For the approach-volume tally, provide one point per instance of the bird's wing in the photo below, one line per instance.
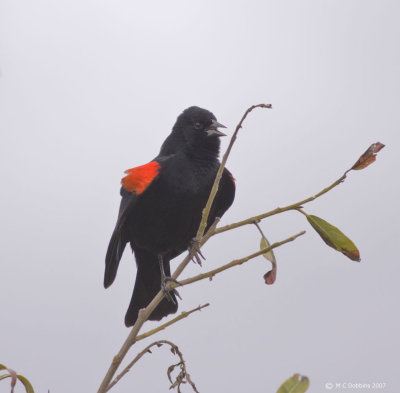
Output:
(133, 185)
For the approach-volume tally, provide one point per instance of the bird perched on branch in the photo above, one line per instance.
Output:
(161, 208)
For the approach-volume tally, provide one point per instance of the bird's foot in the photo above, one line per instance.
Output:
(194, 249)
(166, 290)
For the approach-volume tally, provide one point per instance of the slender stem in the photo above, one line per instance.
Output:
(302, 211)
(278, 210)
(130, 340)
(128, 367)
(147, 350)
(237, 262)
(259, 229)
(214, 190)
(169, 323)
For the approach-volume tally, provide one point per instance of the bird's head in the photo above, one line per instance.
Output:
(199, 128)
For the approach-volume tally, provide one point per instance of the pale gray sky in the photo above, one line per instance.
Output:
(91, 88)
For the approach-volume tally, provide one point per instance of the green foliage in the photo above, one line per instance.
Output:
(14, 377)
(334, 238)
(296, 384)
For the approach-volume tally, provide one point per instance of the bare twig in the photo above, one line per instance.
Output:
(214, 190)
(184, 314)
(278, 210)
(144, 313)
(237, 262)
(182, 377)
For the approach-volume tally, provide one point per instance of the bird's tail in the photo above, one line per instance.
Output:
(147, 285)
(114, 253)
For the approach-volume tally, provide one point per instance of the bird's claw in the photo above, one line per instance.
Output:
(194, 249)
(166, 291)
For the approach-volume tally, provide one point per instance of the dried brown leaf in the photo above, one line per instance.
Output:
(368, 157)
(169, 372)
(270, 276)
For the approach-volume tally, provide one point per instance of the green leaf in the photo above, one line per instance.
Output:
(334, 238)
(295, 384)
(26, 383)
(269, 254)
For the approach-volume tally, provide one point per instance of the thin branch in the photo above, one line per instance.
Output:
(130, 340)
(278, 210)
(175, 350)
(214, 190)
(129, 366)
(184, 314)
(237, 262)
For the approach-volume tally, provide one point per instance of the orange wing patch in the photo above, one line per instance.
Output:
(139, 178)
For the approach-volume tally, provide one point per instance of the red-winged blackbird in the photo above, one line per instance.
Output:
(161, 207)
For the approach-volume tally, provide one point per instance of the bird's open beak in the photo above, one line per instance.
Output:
(213, 129)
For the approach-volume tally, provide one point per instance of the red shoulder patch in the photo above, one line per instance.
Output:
(139, 178)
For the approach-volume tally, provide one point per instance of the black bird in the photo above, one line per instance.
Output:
(161, 207)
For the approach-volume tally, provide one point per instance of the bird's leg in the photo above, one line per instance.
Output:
(194, 249)
(165, 279)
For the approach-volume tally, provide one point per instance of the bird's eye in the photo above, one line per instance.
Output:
(197, 126)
